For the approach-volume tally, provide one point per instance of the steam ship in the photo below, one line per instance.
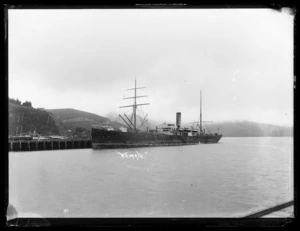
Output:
(131, 136)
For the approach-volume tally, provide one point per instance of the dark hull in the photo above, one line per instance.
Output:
(209, 138)
(117, 139)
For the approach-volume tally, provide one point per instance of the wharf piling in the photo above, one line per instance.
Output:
(39, 145)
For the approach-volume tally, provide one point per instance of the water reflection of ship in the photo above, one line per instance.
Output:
(131, 136)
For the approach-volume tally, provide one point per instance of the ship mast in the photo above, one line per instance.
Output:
(134, 107)
(200, 112)
(134, 103)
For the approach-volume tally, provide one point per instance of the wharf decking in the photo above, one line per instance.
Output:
(39, 145)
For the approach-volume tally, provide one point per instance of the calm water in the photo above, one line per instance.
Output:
(233, 178)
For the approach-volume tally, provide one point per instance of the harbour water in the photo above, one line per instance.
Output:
(232, 178)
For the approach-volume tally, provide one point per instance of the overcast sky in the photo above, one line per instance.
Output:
(241, 60)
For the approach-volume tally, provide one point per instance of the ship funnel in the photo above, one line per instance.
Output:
(178, 119)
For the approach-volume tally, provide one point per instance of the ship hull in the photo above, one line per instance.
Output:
(102, 139)
(209, 139)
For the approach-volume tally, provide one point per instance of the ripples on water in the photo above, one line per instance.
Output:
(233, 178)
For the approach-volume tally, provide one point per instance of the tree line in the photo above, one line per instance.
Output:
(18, 102)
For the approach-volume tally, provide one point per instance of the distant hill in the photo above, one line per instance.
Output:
(248, 129)
(24, 119)
(231, 128)
(72, 119)
(58, 121)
